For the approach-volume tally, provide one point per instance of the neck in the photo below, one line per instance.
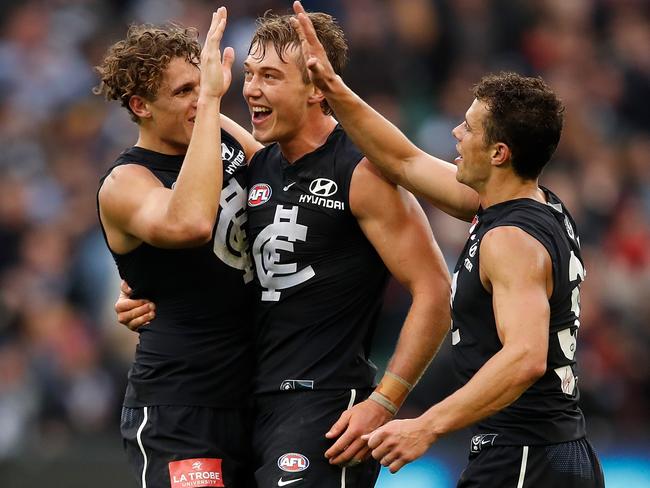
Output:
(147, 140)
(309, 137)
(509, 187)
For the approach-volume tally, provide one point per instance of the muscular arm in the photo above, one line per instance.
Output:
(399, 159)
(516, 268)
(135, 206)
(395, 224)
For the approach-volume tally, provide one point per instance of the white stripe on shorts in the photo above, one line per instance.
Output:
(353, 396)
(522, 470)
(144, 454)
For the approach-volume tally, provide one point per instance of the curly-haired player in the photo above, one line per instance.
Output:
(172, 209)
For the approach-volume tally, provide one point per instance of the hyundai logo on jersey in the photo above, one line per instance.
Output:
(322, 187)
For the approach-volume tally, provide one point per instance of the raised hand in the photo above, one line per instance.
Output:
(216, 73)
(320, 70)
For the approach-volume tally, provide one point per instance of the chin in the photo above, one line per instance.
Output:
(261, 136)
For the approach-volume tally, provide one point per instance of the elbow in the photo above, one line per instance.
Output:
(532, 368)
(196, 232)
(183, 234)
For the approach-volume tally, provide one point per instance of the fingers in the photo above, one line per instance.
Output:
(222, 17)
(339, 426)
(373, 439)
(354, 451)
(339, 446)
(125, 288)
(134, 313)
(227, 62)
(298, 8)
(218, 24)
(307, 28)
(395, 466)
(228, 58)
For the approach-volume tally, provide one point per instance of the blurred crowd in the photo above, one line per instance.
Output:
(63, 358)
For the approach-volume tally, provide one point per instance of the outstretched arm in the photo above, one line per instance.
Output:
(399, 159)
(396, 226)
(516, 268)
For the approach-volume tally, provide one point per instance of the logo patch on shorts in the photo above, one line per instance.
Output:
(190, 473)
(259, 194)
(481, 441)
(292, 462)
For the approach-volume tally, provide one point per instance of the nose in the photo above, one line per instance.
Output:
(195, 96)
(456, 132)
(251, 88)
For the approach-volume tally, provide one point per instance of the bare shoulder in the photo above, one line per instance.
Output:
(369, 189)
(123, 186)
(126, 177)
(512, 254)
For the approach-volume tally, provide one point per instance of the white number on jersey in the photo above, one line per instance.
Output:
(568, 338)
(455, 333)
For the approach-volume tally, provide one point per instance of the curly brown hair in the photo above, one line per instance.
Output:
(135, 65)
(277, 30)
(526, 115)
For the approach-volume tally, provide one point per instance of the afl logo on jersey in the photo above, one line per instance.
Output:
(292, 462)
(322, 187)
(259, 194)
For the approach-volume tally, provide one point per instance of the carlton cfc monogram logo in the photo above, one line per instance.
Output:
(259, 194)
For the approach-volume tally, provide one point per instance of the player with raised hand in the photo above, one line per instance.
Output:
(171, 208)
(515, 294)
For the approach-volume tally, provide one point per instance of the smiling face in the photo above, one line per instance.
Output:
(277, 95)
(474, 161)
(173, 111)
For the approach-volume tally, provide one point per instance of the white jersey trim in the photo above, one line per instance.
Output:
(522, 470)
(353, 396)
(144, 454)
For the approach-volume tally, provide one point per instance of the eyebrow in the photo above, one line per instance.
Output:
(180, 88)
(262, 68)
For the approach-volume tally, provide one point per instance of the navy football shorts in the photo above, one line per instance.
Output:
(182, 447)
(572, 464)
(289, 440)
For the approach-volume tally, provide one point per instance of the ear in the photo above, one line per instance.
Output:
(316, 96)
(501, 154)
(140, 107)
